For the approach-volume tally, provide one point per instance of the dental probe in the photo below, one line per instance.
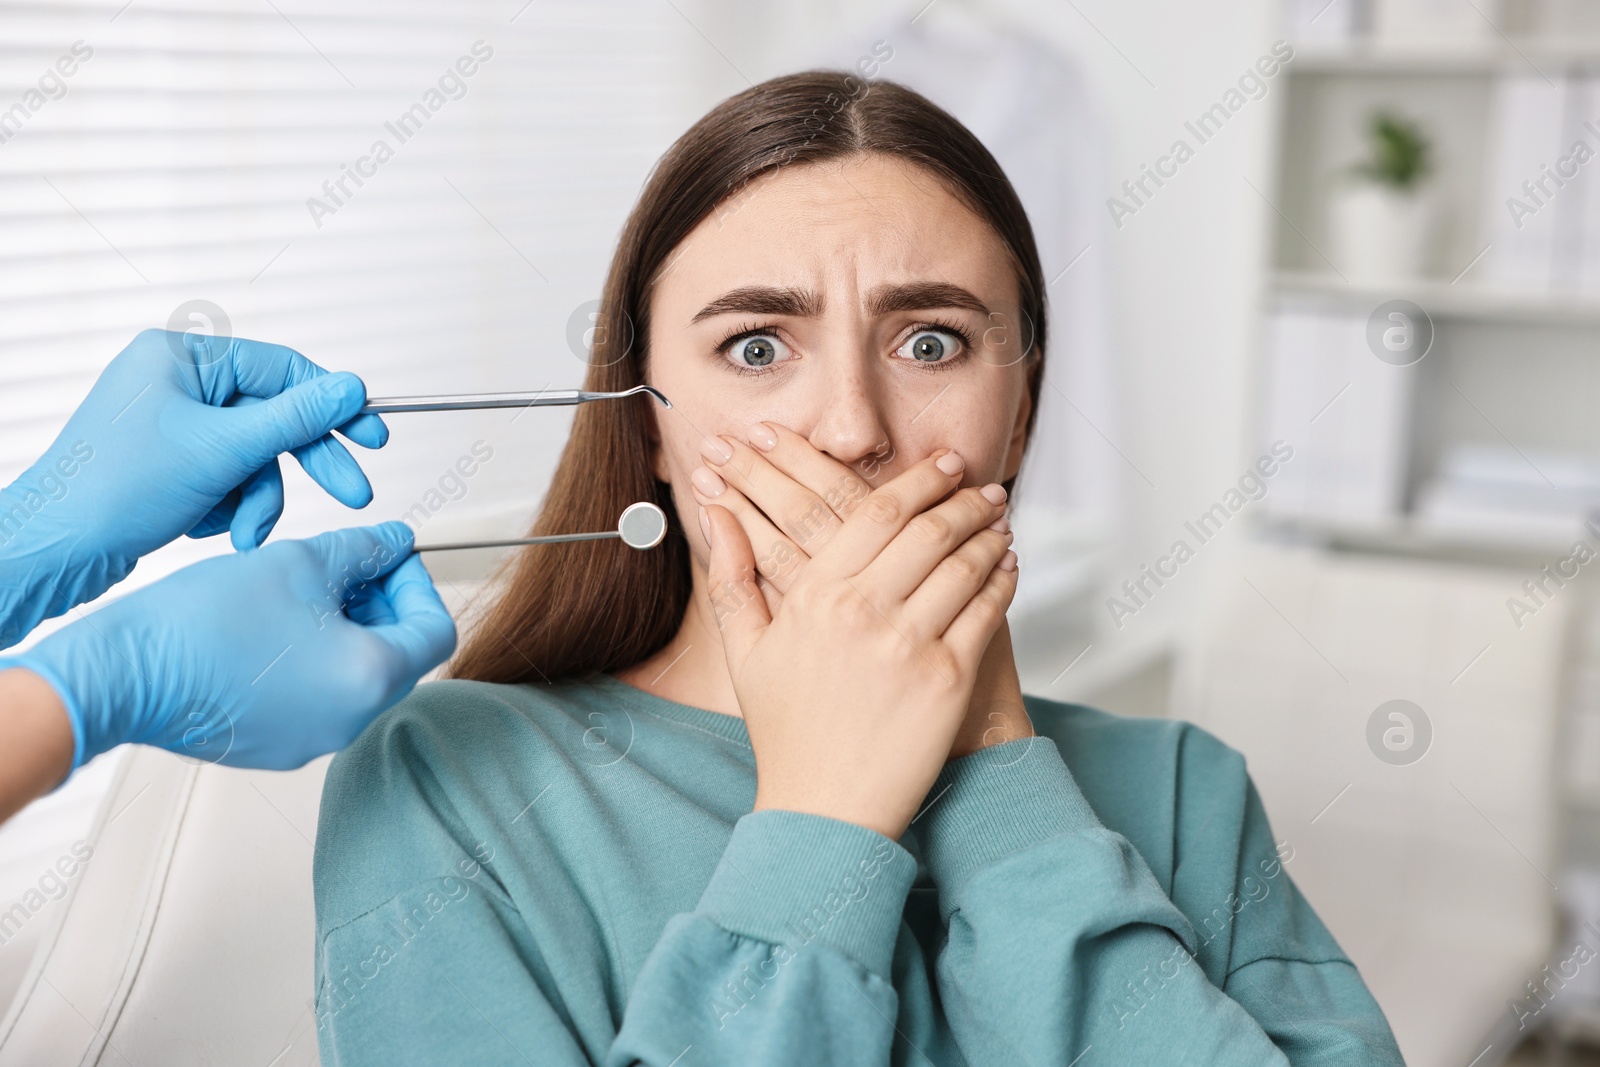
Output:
(470, 401)
(642, 525)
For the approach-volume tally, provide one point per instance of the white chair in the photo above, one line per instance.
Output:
(1435, 876)
(187, 937)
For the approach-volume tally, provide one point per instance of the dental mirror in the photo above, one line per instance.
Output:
(642, 525)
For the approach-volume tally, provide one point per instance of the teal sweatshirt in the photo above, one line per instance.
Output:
(572, 874)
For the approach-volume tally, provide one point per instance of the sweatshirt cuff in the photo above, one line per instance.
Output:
(995, 802)
(791, 878)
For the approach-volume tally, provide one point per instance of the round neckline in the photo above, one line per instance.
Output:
(730, 727)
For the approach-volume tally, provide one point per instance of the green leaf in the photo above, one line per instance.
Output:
(1401, 156)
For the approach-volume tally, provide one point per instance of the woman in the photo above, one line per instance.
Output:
(771, 794)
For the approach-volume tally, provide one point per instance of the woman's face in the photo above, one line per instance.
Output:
(856, 302)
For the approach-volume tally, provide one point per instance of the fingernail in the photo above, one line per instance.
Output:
(1001, 525)
(1008, 562)
(994, 493)
(715, 449)
(762, 437)
(708, 481)
(705, 524)
(951, 463)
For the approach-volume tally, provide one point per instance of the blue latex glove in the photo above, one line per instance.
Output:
(266, 658)
(180, 434)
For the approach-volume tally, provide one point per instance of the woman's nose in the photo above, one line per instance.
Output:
(849, 423)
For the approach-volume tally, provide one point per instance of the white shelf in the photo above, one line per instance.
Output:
(1405, 535)
(1464, 300)
(1363, 58)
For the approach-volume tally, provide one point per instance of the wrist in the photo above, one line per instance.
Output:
(37, 754)
(996, 713)
(50, 566)
(91, 666)
(990, 725)
(877, 817)
(33, 590)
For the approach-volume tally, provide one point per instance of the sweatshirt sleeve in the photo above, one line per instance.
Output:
(784, 960)
(1062, 940)
(790, 947)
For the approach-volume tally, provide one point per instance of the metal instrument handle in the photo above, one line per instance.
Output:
(472, 401)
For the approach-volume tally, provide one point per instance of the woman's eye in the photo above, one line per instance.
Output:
(930, 346)
(758, 350)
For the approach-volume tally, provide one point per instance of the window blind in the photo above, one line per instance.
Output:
(422, 193)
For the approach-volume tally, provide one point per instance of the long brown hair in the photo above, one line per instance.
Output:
(570, 610)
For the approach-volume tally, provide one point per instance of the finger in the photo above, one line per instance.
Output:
(737, 606)
(803, 515)
(370, 607)
(884, 513)
(260, 507)
(368, 431)
(930, 610)
(219, 518)
(266, 370)
(772, 595)
(840, 485)
(356, 557)
(777, 558)
(927, 540)
(968, 634)
(327, 461)
(332, 466)
(422, 631)
(297, 416)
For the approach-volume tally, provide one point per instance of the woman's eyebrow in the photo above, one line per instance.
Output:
(763, 300)
(919, 296)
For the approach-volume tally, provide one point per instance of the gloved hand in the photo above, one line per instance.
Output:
(180, 434)
(267, 658)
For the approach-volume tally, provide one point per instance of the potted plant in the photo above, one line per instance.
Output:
(1382, 214)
